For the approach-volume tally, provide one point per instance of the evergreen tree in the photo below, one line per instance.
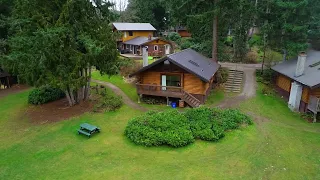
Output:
(58, 42)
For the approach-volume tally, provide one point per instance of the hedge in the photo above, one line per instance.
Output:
(180, 129)
(44, 95)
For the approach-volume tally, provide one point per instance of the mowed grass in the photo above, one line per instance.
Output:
(284, 147)
(128, 89)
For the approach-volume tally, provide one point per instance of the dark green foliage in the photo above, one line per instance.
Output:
(180, 129)
(44, 94)
(163, 128)
(153, 100)
(203, 124)
(108, 101)
(175, 37)
(186, 43)
(255, 40)
(231, 119)
(267, 77)
(222, 75)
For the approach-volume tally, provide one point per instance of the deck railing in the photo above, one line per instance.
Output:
(314, 104)
(152, 89)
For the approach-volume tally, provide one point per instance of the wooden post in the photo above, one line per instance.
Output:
(167, 101)
(315, 117)
(8, 81)
(139, 98)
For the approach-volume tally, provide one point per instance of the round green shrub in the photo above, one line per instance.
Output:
(203, 125)
(231, 118)
(162, 128)
(45, 94)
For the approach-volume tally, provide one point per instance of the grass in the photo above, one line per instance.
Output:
(128, 89)
(284, 147)
(216, 96)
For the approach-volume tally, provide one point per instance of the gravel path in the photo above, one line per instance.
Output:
(119, 92)
(249, 86)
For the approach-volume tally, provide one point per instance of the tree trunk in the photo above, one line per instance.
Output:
(72, 97)
(215, 35)
(88, 85)
(68, 97)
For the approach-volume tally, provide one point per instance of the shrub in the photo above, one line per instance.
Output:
(186, 43)
(44, 95)
(251, 57)
(222, 75)
(109, 101)
(162, 128)
(231, 119)
(153, 100)
(175, 37)
(267, 77)
(203, 125)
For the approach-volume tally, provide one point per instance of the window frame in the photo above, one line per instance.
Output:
(154, 48)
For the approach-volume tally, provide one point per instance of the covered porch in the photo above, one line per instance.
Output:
(158, 90)
(314, 106)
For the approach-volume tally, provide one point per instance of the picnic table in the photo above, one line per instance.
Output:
(88, 129)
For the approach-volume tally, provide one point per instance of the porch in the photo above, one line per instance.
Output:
(157, 90)
(168, 91)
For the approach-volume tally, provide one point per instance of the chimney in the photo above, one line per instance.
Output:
(149, 37)
(302, 58)
(145, 56)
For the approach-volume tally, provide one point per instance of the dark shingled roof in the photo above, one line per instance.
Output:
(310, 78)
(191, 61)
(3, 73)
(140, 40)
(134, 27)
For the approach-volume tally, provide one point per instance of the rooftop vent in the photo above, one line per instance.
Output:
(194, 63)
(315, 64)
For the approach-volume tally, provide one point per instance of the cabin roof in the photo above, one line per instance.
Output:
(140, 40)
(311, 76)
(3, 73)
(191, 61)
(134, 27)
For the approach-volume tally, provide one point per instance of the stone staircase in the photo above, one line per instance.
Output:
(234, 82)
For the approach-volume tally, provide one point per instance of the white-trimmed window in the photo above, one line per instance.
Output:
(156, 47)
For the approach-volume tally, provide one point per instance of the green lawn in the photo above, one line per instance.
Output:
(285, 147)
(128, 89)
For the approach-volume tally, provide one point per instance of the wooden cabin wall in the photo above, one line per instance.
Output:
(193, 85)
(305, 94)
(151, 77)
(316, 92)
(284, 83)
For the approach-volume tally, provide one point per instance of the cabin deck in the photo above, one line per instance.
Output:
(163, 91)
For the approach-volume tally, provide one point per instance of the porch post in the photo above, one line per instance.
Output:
(8, 81)
(167, 101)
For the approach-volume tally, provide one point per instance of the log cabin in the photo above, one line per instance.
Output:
(137, 35)
(298, 80)
(186, 75)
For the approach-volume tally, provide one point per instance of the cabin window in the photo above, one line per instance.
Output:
(173, 80)
(130, 33)
(156, 47)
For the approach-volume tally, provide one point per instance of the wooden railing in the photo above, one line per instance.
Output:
(314, 104)
(151, 89)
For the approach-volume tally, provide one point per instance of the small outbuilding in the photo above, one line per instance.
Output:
(4, 79)
(298, 80)
(186, 75)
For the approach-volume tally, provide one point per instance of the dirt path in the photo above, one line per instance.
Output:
(13, 90)
(119, 92)
(249, 86)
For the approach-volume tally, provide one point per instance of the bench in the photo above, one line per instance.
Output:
(88, 129)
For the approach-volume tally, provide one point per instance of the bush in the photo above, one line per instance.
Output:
(108, 102)
(267, 77)
(44, 95)
(153, 100)
(163, 128)
(256, 40)
(180, 129)
(251, 57)
(222, 75)
(231, 119)
(186, 43)
(175, 37)
(203, 125)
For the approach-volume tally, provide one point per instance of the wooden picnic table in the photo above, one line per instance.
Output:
(88, 129)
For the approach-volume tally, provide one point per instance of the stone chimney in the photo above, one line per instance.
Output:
(145, 56)
(302, 58)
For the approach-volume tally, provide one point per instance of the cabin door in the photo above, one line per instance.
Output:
(164, 82)
(167, 49)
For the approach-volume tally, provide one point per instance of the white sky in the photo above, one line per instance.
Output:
(119, 4)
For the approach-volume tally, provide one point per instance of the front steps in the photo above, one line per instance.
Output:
(234, 82)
